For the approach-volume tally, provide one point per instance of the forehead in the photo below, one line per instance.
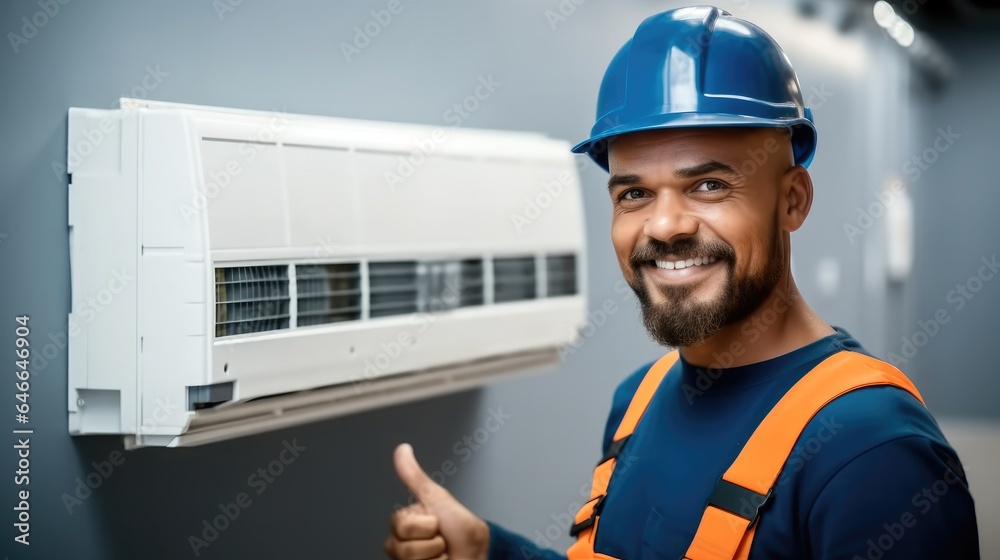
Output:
(680, 147)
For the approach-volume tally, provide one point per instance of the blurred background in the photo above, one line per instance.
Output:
(904, 100)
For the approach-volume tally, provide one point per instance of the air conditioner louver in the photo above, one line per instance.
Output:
(513, 279)
(328, 293)
(251, 299)
(560, 274)
(470, 287)
(392, 288)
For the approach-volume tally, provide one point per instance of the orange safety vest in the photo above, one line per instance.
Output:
(727, 527)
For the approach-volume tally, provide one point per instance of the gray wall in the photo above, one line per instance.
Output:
(957, 199)
(333, 501)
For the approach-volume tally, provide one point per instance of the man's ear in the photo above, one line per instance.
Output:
(796, 198)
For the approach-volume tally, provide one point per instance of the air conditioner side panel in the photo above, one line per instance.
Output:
(175, 304)
(102, 341)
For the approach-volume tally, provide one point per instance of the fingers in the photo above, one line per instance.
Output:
(414, 525)
(413, 476)
(425, 549)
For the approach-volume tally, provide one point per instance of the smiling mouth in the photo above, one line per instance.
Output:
(685, 263)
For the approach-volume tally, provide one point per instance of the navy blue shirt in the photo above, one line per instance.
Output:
(871, 476)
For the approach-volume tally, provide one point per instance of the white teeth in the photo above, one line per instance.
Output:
(697, 261)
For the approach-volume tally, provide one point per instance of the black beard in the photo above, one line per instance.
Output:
(679, 321)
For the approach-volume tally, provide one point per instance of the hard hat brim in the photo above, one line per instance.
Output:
(803, 132)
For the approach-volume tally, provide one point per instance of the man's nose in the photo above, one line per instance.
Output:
(671, 217)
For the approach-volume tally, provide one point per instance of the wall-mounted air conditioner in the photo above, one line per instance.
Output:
(239, 271)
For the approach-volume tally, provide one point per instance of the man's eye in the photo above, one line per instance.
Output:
(710, 186)
(633, 194)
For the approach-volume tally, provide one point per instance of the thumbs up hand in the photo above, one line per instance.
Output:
(438, 526)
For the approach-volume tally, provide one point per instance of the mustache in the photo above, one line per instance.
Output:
(686, 248)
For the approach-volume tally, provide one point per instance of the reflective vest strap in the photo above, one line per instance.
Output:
(763, 456)
(748, 483)
(644, 394)
(722, 532)
(588, 517)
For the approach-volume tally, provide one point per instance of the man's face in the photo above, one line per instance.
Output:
(695, 225)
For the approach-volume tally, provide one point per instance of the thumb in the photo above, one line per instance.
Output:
(416, 480)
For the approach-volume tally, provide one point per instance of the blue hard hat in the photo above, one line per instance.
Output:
(695, 67)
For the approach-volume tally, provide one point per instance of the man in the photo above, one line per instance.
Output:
(770, 434)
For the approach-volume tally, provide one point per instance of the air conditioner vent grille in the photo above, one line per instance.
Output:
(560, 274)
(470, 282)
(513, 279)
(328, 293)
(392, 288)
(251, 299)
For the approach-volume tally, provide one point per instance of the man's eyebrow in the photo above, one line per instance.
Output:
(628, 180)
(705, 168)
(710, 166)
